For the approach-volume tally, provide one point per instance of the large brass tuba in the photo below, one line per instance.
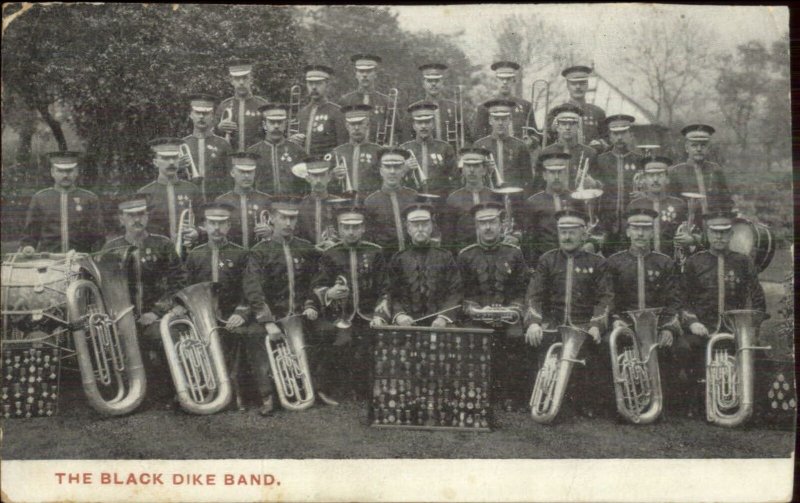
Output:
(287, 359)
(104, 333)
(729, 377)
(552, 378)
(637, 380)
(194, 352)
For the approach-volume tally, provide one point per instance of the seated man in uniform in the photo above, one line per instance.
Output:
(64, 217)
(248, 203)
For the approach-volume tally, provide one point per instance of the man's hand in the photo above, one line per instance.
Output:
(377, 321)
(234, 321)
(684, 239)
(511, 239)
(595, 333)
(263, 231)
(185, 162)
(404, 320)
(28, 250)
(588, 247)
(698, 329)
(439, 322)
(273, 331)
(337, 292)
(534, 334)
(178, 310)
(664, 339)
(190, 235)
(228, 126)
(298, 139)
(147, 319)
(339, 172)
(619, 324)
(310, 313)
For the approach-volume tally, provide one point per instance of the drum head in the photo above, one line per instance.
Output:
(754, 240)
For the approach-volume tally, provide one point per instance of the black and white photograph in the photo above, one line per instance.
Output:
(396, 253)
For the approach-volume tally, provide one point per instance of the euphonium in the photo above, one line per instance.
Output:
(104, 333)
(552, 378)
(287, 359)
(293, 123)
(637, 381)
(185, 220)
(729, 377)
(385, 134)
(185, 150)
(194, 351)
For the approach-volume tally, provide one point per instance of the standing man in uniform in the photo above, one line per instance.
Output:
(615, 170)
(522, 117)
(566, 121)
(571, 287)
(322, 125)
(423, 280)
(366, 66)
(168, 196)
(358, 158)
(316, 221)
(277, 155)
(384, 206)
(208, 152)
(435, 158)
(238, 118)
(593, 130)
(63, 217)
(246, 228)
(494, 273)
(447, 113)
(511, 157)
(458, 224)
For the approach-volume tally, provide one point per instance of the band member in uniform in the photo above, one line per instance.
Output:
(422, 283)
(643, 278)
(358, 158)
(209, 152)
(571, 287)
(671, 210)
(436, 158)
(593, 118)
(248, 203)
(366, 66)
(458, 224)
(277, 281)
(566, 121)
(242, 121)
(540, 233)
(699, 175)
(444, 117)
(322, 125)
(713, 281)
(511, 157)
(168, 196)
(316, 221)
(64, 217)
(348, 286)
(616, 169)
(276, 154)
(155, 273)
(522, 116)
(384, 207)
(494, 273)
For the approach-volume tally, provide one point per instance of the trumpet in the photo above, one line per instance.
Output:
(385, 134)
(185, 222)
(227, 115)
(344, 322)
(553, 377)
(287, 358)
(417, 175)
(455, 134)
(293, 123)
(347, 186)
(262, 219)
(186, 151)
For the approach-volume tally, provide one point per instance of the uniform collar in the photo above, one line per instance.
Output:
(276, 143)
(163, 180)
(570, 254)
(135, 243)
(220, 246)
(492, 246)
(389, 191)
(66, 191)
(318, 195)
(621, 153)
(639, 253)
(243, 192)
(205, 135)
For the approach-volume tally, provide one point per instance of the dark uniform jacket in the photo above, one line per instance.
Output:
(671, 214)
(211, 162)
(594, 117)
(706, 273)
(384, 218)
(61, 220)
(364, 178)
(324, 127)
(274, 167)
(363, 266)
(686, 177)
(423, 280)
(224, 265)
(164, 197)
(653, 276)
(444, 118)
(247, 116)
(438, 161)
(514, 164)
(248, 207)
(458, 224)
(521, 115)
(616, 171)
(155, 272)
(315, 216)
(569, 289)
(578, 154)
(493, 275)
(277, 280)
(539, 231)
(381, 105)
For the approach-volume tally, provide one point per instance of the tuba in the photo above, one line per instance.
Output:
(455, 134)
(637, 381)
(293, 122)
(552, 378)
(385, 134)
(104, 333)
(194, 351)
(729, 376)
(287, 359)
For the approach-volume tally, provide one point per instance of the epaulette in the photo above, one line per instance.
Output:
(335, 104)
(618, 253)
(84, 191)
(531, 198)
(662, 254)
(468, 247)
(370, 243)
(484, 138)
(44, 190)
(219, 197)
(160, 236)
(439, 141)
(510, 245)
(141, 189)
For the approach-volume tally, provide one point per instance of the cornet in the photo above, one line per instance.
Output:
(261, 220)
(186, 221)
(227, 115)
(417, 175)
(186, 151)
(347, 186)
(293, 123)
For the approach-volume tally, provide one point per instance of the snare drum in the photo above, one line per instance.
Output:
(754, 240)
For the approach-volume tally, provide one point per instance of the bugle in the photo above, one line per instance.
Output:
(455, 133)
(637, 380)
(186, 151)
(289, 365)
(385, 134)
(553, 377)
(194, 351)
(293, 122)
(185, 221)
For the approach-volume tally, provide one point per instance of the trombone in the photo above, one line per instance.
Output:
(455, 134)
(543, 87)
(588, 196)
(385, 134)
(186, 221)
(186, 151)
(293, 122)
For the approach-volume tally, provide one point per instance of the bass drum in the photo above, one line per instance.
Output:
(754, 240)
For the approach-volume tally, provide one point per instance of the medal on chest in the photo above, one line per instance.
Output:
(77, 201)
(319, 122)
(584, 270)
(183, 200)
(366, 157)
(669, 214)
(731, 279)
(286, 157)
(437, 158)
(653, 275)
(149, 256)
